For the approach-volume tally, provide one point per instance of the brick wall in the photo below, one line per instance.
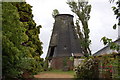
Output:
(61, 63)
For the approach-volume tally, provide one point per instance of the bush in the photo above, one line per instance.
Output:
(86, 69)
(105, 66)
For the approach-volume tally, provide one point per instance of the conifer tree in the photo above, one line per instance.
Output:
(21, 48)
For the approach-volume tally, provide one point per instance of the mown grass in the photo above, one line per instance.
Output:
(60, 72)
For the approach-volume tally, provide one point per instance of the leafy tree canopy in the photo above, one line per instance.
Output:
(20, 40)
(82, 9)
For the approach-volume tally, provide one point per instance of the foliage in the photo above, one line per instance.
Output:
(12, 37)
(82, 9)
(45, 65)
(87, 69)
(65, 62)
(109, 65)
(30, 65)
(21, 48)
(104, 66)
(113, 45)
(116, 11)
(71, 58)
(32, 31)
(55, 12)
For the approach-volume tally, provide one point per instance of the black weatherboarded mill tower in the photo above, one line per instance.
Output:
(64, 43)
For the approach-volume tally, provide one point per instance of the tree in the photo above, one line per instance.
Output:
(82, 10)
(55, 12)
(13, 35)
(32, 31)
(21, 48)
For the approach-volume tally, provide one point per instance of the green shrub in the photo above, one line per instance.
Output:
(105, 66)
(86, 70)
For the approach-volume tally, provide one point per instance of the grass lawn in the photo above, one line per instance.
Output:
(55, 74)
(60, 72)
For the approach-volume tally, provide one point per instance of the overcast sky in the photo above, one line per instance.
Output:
(100, 24)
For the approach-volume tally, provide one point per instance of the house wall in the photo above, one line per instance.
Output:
(106, 50)
(77, 62)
